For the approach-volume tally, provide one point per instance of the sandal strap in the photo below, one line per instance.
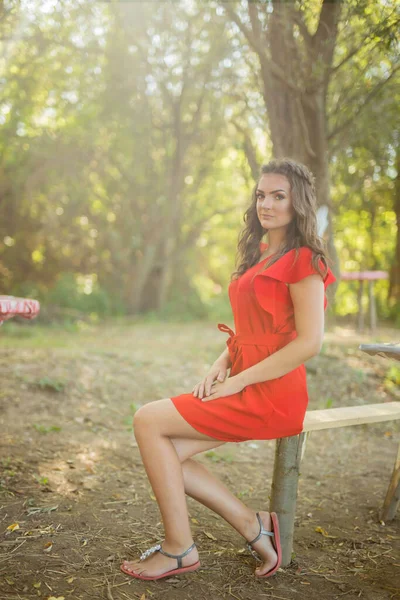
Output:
(151, 550)
(178, 556)
(263, 531)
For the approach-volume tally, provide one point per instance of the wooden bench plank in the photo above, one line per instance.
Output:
(385, 350)
(330, 418)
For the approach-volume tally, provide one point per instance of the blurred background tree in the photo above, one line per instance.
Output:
(133, 132)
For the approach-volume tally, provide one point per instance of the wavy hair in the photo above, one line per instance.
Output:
(302, 230)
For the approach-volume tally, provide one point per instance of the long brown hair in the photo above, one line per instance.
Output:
(302, 231)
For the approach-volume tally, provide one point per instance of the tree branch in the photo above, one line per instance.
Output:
(259, 48)
(380, 30)
(368, 98)
(324, 39)
(302, 26)
(249, 150)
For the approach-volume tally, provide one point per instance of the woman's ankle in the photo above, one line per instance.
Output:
(250, 525)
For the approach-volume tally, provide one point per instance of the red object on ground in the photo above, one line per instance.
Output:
(264, 321)
(24, 307)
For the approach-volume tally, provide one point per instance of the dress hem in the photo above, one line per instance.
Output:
(198, 428)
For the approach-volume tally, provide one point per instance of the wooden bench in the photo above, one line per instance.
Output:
(290, 451)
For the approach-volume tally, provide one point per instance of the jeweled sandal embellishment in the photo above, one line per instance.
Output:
(150, 551)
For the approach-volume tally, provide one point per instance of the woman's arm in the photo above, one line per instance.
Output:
(224, 359)
(308, 303)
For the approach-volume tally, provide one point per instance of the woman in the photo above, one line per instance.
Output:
(278, 300)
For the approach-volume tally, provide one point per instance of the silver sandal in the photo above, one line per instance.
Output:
(263, 531)
(180, 569)
(158, 548)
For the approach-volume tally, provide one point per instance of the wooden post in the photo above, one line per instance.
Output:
(372, 306)
(393, 494)
(360, 324)
(288, 454)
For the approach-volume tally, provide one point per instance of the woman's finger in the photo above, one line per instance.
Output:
(221, 376)
(211, 388)
(213, 396)
(209, 383)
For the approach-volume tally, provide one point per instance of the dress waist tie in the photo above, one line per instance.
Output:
(256, 339)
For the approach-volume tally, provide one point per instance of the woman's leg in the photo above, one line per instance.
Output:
(155, 424)
(159, 431)
(207, 489)
(204, 487)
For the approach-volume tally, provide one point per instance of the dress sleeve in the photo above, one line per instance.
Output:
(290, 268)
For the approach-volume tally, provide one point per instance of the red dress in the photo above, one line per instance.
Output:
(264, 322)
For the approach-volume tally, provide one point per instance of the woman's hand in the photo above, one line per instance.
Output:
(217, 372)
(232, 385)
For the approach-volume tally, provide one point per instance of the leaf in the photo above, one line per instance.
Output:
(56, 598)
(325, 533)
(13, 527)
(37, 585)
(195, 521)
(10, 581)
(152, 497)
(143, 597)
(48, 546)
(70, 579)
(210, 536)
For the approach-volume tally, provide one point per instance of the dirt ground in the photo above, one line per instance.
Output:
(75, 500)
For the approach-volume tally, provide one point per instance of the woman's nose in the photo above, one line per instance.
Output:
(267, 202)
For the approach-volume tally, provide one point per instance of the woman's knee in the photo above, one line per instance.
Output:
(143, 418)
(150, 415)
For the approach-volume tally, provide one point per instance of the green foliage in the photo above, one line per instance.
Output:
(181, 307)
(214, 457)
(392, 378)
(43, 481)
(68, 292)
(134, 407)
(43, 429)
(50, 384)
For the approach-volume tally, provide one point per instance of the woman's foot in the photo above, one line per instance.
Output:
(158, 564)
(264, 546)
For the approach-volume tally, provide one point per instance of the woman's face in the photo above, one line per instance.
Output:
(274, 202)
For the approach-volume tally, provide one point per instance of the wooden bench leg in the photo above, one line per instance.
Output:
(393, 494)
(288, 454)
(372, 307)
(360, 319)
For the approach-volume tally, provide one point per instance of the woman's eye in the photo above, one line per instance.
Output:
(278, 197)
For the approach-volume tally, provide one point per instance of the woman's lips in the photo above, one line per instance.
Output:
(266, 216)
